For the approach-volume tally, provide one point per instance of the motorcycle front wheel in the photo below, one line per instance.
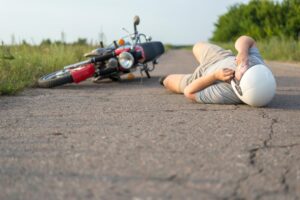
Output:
(54, 79)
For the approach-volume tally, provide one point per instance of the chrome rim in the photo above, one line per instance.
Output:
(55, 75)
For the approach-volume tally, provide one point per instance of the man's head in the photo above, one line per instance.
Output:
(256, 86)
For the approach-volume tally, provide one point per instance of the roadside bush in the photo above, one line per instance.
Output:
(261, 19)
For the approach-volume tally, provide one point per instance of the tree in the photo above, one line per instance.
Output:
(262, 19)
(81, 41)
(46, 42)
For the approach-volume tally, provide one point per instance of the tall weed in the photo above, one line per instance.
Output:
(22, 65)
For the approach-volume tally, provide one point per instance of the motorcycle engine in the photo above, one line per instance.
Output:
(112, 63)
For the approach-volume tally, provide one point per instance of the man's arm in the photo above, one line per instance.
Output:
(205, 81)
(242, 45)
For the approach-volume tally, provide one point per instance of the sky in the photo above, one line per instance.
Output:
(169, 21)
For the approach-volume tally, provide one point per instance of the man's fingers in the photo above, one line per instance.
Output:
(228, 73)
(227, 70)
(228, 78)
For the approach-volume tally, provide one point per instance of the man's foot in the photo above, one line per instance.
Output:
(161, 80)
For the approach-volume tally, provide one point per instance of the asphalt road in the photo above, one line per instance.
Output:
(134, 140)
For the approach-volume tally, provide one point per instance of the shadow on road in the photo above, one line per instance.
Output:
(287, 81)
(286, 102)
(288, 93)
(108, 84)
(287, 97)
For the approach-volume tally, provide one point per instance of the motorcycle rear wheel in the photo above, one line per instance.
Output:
(54, 79)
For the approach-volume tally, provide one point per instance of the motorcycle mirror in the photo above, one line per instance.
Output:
(136, 20)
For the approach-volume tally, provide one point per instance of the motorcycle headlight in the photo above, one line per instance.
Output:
(126, 60)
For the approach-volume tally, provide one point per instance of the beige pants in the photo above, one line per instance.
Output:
(208, 54)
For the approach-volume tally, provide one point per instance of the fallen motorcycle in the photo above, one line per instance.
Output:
(111, 62)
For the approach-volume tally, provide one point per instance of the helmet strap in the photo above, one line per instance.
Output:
(237, 86)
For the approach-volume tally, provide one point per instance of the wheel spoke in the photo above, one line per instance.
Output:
(55, 75)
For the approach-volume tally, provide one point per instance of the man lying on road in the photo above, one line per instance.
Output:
(210, 82)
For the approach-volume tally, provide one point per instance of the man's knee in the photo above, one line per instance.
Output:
(169, 82)
(198, 46)
(172, 82)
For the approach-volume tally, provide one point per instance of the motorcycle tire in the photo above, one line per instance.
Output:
(54, 79)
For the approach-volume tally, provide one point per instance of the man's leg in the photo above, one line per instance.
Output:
(208, 54)
(198, 49)
(172, 82)
(175, 82)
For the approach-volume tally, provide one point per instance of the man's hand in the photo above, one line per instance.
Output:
(242, 61)
(242, 45)
(225, 74)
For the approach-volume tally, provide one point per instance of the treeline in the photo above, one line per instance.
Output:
(80, 41)
(47, 42)
(261, 19)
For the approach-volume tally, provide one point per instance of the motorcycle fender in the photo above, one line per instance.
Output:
(83, 73)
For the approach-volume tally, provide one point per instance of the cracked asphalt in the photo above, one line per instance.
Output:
(134, 140)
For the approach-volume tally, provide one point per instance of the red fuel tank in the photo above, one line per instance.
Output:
(83, 73)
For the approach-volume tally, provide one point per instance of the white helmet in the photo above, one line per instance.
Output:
(257, 86)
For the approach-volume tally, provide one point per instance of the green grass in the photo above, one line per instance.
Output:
(22, 65)
(286, 50)
(171, 46)
(280, 50)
